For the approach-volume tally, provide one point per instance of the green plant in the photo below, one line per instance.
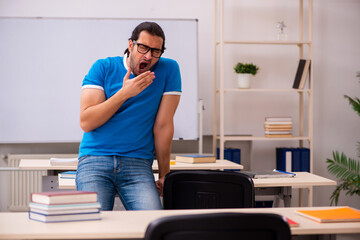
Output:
(246, 68)
(347, 169)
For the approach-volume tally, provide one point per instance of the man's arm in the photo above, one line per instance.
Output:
(95, 109)
(163, 135)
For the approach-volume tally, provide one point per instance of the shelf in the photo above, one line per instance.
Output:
(262, 138)
(264, 90)
(296, 43)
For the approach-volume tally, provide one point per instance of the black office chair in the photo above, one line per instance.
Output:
(219, 226)
(207, 189)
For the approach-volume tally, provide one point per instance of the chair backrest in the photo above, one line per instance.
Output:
(207, 189)
(218, 226)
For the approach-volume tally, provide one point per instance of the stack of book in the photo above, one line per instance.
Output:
(278, 127)
(64, 206)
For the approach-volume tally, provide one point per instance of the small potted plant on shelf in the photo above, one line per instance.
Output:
(245, 71)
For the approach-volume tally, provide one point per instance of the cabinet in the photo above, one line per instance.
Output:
(304, 117)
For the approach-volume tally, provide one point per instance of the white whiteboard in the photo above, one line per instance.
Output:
(44, 60)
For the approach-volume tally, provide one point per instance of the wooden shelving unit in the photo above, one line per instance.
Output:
(219, 137)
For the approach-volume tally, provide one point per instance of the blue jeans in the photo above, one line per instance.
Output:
(131, 178)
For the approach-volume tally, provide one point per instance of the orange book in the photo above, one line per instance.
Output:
(342, 214)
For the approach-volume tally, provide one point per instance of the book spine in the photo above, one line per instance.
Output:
(305, 159)
(280, 159)
(296, 160)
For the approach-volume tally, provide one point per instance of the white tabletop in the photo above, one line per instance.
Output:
(44, 164)
(301, 180)
(132, 224)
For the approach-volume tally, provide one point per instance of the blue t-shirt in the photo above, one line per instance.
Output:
(129, 132)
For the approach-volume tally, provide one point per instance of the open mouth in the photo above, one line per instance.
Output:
(143, 66)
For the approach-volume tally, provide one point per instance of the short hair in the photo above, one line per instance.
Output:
(152, 28)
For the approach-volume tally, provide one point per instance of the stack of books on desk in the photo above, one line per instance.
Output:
(278, 127)
(64, 206)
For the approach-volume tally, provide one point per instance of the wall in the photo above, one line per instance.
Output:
(336, 61)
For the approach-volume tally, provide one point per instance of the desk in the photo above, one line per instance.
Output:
(132, 224)
(280, 187)
(44, 164)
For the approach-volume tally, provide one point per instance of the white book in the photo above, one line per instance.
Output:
(278, 119)
(288, 160)
(66, 182)
(64, 161)
(277, 132)
(279, 122)
(59, 207)
(64, 217)
(67, 211)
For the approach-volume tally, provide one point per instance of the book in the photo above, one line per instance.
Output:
(278, 132)
(231, 154)
(291, 222)
(296, 160)
(64, 217)
(64, 161)
(195, 158)
(278, 119)
(304, 74)
(278, 135)
(341, 214)
(299, 73)
(64, 197)
(66, 180)
(60, 207)
(278, 123)
(293, 159)
(288, 160)
(278, 126)
(304, 159)
(268, 174)
(68, 174)
(68, 211)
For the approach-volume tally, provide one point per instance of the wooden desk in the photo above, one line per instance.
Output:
(44, 164)
(280, 187)
(132, 224)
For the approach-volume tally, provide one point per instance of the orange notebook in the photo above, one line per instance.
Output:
(342, 214)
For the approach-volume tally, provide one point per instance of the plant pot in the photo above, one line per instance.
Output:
(243, 80)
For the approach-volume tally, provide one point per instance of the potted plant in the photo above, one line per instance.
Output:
(245, 71)
(347, 169)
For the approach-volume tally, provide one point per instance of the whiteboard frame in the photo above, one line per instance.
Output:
(4, 114)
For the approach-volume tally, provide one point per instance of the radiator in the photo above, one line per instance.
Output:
(23, 183)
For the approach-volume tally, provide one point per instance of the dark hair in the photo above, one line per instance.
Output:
(152, 28)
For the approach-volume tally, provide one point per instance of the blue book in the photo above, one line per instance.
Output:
(231, 154)
(305, 160)
(68, 174)
(296, 160)
(284, 159)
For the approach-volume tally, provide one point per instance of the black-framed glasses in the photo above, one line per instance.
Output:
(143, 49)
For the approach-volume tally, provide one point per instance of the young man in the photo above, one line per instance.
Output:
(127, 109)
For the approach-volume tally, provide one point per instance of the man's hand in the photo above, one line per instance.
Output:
(132, 87)
(160, 185)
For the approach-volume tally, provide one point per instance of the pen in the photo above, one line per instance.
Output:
(284, 172)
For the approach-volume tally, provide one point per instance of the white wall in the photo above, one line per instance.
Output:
(336, 61)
